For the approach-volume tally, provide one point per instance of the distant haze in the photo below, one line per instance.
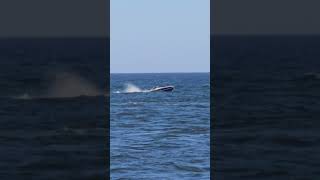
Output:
(265, 16)
(160, 36)
(54, 18)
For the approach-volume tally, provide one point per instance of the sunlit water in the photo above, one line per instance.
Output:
(160, 135)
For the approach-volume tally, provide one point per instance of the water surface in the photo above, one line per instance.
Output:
(266, 94)
(52, 108)
(160, 135)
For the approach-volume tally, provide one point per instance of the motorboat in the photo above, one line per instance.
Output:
(163, 88)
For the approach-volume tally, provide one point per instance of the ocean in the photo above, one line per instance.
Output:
(160, 135)
(264, 112)
(265, 107)
(53, 108)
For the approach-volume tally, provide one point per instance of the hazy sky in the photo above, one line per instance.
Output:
(54, 18)
(265, 16)
(160, 36)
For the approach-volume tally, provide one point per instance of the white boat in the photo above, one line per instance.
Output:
(163, 88)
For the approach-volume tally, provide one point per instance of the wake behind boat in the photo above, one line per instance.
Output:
(163, 88)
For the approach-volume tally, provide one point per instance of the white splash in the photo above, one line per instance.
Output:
(131, 88)
(66, 85)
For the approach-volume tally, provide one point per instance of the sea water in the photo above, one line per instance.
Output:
(266, 99)
(53, 111)
(160, 135)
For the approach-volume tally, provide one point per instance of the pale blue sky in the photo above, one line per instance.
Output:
(160, 36)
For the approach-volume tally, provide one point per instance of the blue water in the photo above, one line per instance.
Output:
(266, 94)
(53, 108)
(160, 135)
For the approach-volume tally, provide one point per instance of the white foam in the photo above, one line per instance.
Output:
(131, 88)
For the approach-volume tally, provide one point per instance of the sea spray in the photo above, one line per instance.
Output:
(66, 85)
(131, 88)
(72, 85)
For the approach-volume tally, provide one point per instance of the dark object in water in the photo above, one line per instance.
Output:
(164, 88)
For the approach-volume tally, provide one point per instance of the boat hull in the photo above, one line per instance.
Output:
(166, 89)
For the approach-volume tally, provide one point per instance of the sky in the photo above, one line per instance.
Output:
(265, 17)
(150, 36)
(54, 18)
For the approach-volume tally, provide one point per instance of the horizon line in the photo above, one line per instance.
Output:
(155, 72)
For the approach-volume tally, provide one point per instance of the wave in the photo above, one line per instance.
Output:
(131, 88)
